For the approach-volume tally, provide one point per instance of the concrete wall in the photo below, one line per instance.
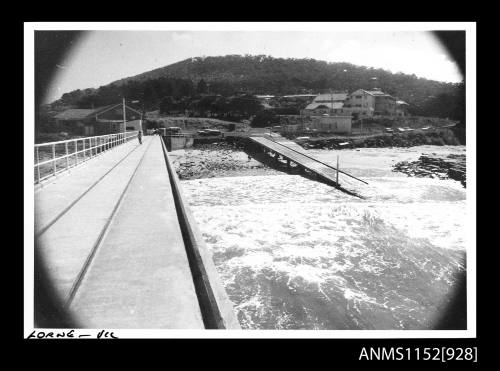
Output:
(174, 143)
(334, 124)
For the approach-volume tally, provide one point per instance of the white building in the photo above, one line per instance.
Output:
(331, 103)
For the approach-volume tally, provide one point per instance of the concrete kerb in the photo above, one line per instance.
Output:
(216, 308)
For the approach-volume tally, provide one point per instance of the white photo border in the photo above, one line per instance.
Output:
(29, 124)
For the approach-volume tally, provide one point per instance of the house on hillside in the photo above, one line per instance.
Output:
(401, 108)
(99, 121)
(332, 103)
(360, 103)
(385, 104)
(370, 102)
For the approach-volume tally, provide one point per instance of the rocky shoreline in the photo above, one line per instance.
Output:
(432, 166)
(219, 159)
(228, 158)
(440, 138)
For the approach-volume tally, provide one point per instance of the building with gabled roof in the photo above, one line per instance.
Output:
(331, 98)
(99, 121)
(370, 102)
(331, 103)
(402, 108)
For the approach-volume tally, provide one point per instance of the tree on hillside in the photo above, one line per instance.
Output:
(264, 118)
(167, 104)
(150, 96)
(267, 75)
(246, 104)
(202, 87)
(446, 105)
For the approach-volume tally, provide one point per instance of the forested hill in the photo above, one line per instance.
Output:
(261, 74)
(267, 75)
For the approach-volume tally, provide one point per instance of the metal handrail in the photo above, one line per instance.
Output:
(74, 140)
(96, 145)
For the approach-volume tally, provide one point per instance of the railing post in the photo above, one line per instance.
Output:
(54, 158)
(76, 152)
(84, 155)
(67, 158)
(38, 166)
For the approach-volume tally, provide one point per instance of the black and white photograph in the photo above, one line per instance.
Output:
(241, 180)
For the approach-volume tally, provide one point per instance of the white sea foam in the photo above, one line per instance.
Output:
(294, 253)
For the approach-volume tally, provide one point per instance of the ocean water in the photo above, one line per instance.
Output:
(293, 253)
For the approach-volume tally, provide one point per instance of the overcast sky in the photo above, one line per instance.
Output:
(105, 56)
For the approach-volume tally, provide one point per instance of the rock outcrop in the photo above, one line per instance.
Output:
(432, 166)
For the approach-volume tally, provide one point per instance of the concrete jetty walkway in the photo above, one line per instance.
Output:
(111, 241)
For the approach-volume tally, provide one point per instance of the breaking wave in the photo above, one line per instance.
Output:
(297, 254)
